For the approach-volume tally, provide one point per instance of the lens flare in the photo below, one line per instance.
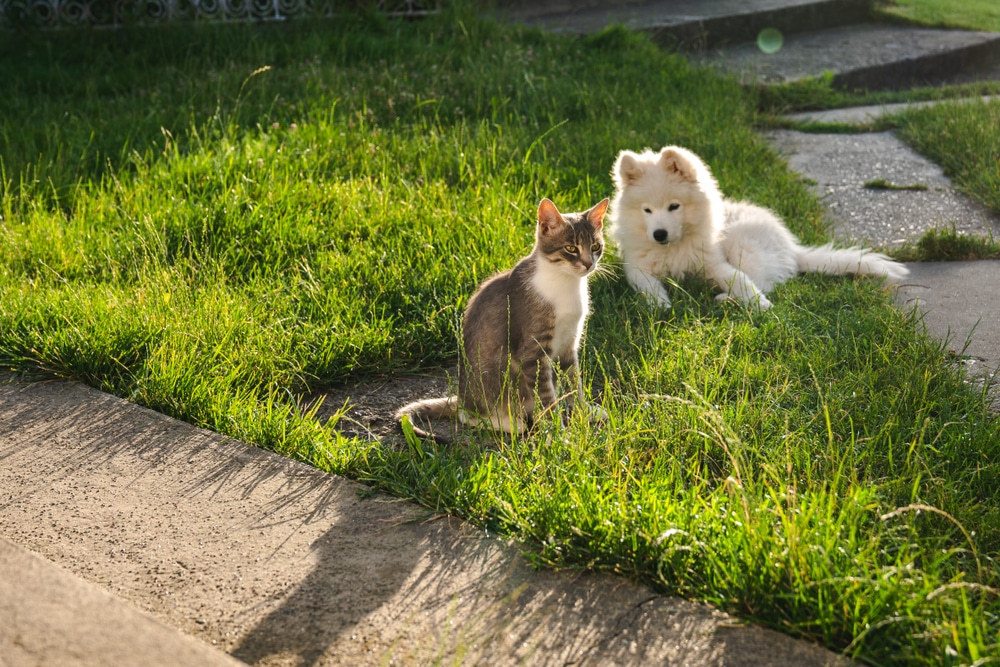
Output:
(770, 40)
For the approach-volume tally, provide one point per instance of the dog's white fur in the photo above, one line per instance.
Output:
(669, 219)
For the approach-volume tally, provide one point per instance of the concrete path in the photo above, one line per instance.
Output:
(48, 616)
(817, 37)
(872, 56)
(277, 563)
(841, 164)
(866, 114)
(956, 301)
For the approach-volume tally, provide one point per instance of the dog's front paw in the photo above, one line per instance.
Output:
(758, 301)
(658, 300)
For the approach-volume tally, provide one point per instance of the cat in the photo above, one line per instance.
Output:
(521, 330)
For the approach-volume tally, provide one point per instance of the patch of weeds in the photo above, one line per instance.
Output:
(948, 245)
(882, 184)
(819, 93)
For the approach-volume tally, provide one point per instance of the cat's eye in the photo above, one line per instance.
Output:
(673, 207)
(648, 210)
(596, 247)
(571, 249)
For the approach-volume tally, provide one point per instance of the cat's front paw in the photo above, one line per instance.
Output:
(596, 413)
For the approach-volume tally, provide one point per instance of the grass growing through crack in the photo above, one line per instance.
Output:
(216, 240)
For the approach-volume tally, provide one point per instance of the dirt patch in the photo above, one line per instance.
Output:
(371, 404)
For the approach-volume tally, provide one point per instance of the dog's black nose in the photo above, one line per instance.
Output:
(660, 236)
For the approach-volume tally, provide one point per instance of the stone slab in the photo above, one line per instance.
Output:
(841, 164)
(871, 56)
(691, 24)
(957, 302)
(866, 114)
(51, 617)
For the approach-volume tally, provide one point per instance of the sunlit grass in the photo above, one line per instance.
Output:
(968, 14)
(965, 140)
(241, 216)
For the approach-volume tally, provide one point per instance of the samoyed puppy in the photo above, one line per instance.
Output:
(669, 220)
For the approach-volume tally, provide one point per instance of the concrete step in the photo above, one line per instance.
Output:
(818, 36)
(697, 24)
(871, 56)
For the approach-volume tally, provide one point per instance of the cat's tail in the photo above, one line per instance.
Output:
(839, 261)
(429, 409)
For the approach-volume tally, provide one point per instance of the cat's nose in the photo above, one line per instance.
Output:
(660, 236)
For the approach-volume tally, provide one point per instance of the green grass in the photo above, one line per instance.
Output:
(818, 93)
(882, 184)
(218, 241)
(969, 14)
(947, 245)
(964, 139)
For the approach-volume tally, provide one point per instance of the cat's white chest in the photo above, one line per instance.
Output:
(568, 296)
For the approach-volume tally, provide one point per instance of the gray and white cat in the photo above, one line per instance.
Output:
(521, 330)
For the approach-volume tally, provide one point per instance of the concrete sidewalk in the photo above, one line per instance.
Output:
(955, 301)
(49, 616)
(277, 563)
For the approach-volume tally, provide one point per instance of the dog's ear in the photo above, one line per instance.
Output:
(596, 213)
(628, 169)
(675, 160)
(549, 217)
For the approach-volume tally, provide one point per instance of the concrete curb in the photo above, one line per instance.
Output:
(696, 24)
(278, 563)
(50, 617)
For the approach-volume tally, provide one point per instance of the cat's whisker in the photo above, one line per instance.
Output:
(603, 271)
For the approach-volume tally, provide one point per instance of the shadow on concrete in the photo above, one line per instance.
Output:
(278, 563)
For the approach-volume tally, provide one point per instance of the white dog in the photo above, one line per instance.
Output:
(669, 219)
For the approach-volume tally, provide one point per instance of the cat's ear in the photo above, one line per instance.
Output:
(628, 169)
(682, 162)
(596, 213)
(549, 218)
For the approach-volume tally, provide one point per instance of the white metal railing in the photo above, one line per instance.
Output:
(112, 13)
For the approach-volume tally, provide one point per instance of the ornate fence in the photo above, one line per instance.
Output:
(111, 13)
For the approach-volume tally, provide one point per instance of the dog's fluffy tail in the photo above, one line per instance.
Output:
(426, 410)
(839, 261)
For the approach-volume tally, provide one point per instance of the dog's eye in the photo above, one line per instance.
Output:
(647, 210)
(673, 207)
(571, 249)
